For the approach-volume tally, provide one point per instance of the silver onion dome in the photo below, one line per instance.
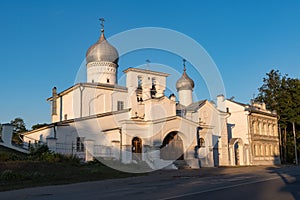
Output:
(102, 51)
(185, 82)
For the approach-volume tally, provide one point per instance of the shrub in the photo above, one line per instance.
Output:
(8, 175)
(39, 150)
(37, 175)
(67, 158)
(4, 157)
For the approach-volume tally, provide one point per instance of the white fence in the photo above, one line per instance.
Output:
(74, 149)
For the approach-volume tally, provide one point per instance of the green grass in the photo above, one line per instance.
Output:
(49, 169)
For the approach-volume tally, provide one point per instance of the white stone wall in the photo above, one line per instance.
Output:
(185, 97)
(85, 101)
(238, 121)
(213, 118)
(159, 108)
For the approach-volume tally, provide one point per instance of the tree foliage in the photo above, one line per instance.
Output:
(282, 93)
(19, 128)
(269, 91)
(37, 126)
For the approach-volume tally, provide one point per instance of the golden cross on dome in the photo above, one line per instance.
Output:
(102, 23)
(184, 60)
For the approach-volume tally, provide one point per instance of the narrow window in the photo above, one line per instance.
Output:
(80, 144)
(120, 105)
(107, 80)
(260, 128)
(139, 82)
(54, 106)
(66, 116)
(201, 142)
(266, 150)
(153, 89)
(261, 150)
(255, 150)
(253, 127)
(153, 81)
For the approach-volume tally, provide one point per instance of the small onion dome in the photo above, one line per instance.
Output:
(185, 82)
(102, 51)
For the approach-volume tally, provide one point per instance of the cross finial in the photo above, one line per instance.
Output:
(184, 60)
(102, 24)
(148, 63)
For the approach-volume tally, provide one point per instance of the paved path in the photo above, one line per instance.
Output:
(210, 183)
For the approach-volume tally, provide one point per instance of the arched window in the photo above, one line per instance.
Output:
(276, 151)
(271, 150)
(274, 130)
(201, 142)
(269, 129)
(139, 82)
(260, 128)
(254, 127)
(264, 129)
(256, 150)
(266, 150)
(153, 81)
(261, 150)
(153, 88)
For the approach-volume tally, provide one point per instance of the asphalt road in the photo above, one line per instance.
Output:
(210, 183)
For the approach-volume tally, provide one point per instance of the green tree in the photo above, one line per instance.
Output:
(294, 91)
(0, 131)
(37, 126)
(19, 128)
(270, 91)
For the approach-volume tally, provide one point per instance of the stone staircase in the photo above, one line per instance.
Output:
(181, 164)
(152, 158)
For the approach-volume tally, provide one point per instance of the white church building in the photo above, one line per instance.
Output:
(137, 122)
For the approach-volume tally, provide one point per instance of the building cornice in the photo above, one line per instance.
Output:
(261, 112)
(103, 86)
(66, 122)
(146, 71)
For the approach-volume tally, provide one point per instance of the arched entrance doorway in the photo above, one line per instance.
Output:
(172, 147)
(136, 148)
(236, 147)
(237, 153)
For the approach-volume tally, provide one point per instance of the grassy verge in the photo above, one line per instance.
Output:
(21, 171)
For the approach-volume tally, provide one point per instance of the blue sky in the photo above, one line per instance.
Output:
(43, 44)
